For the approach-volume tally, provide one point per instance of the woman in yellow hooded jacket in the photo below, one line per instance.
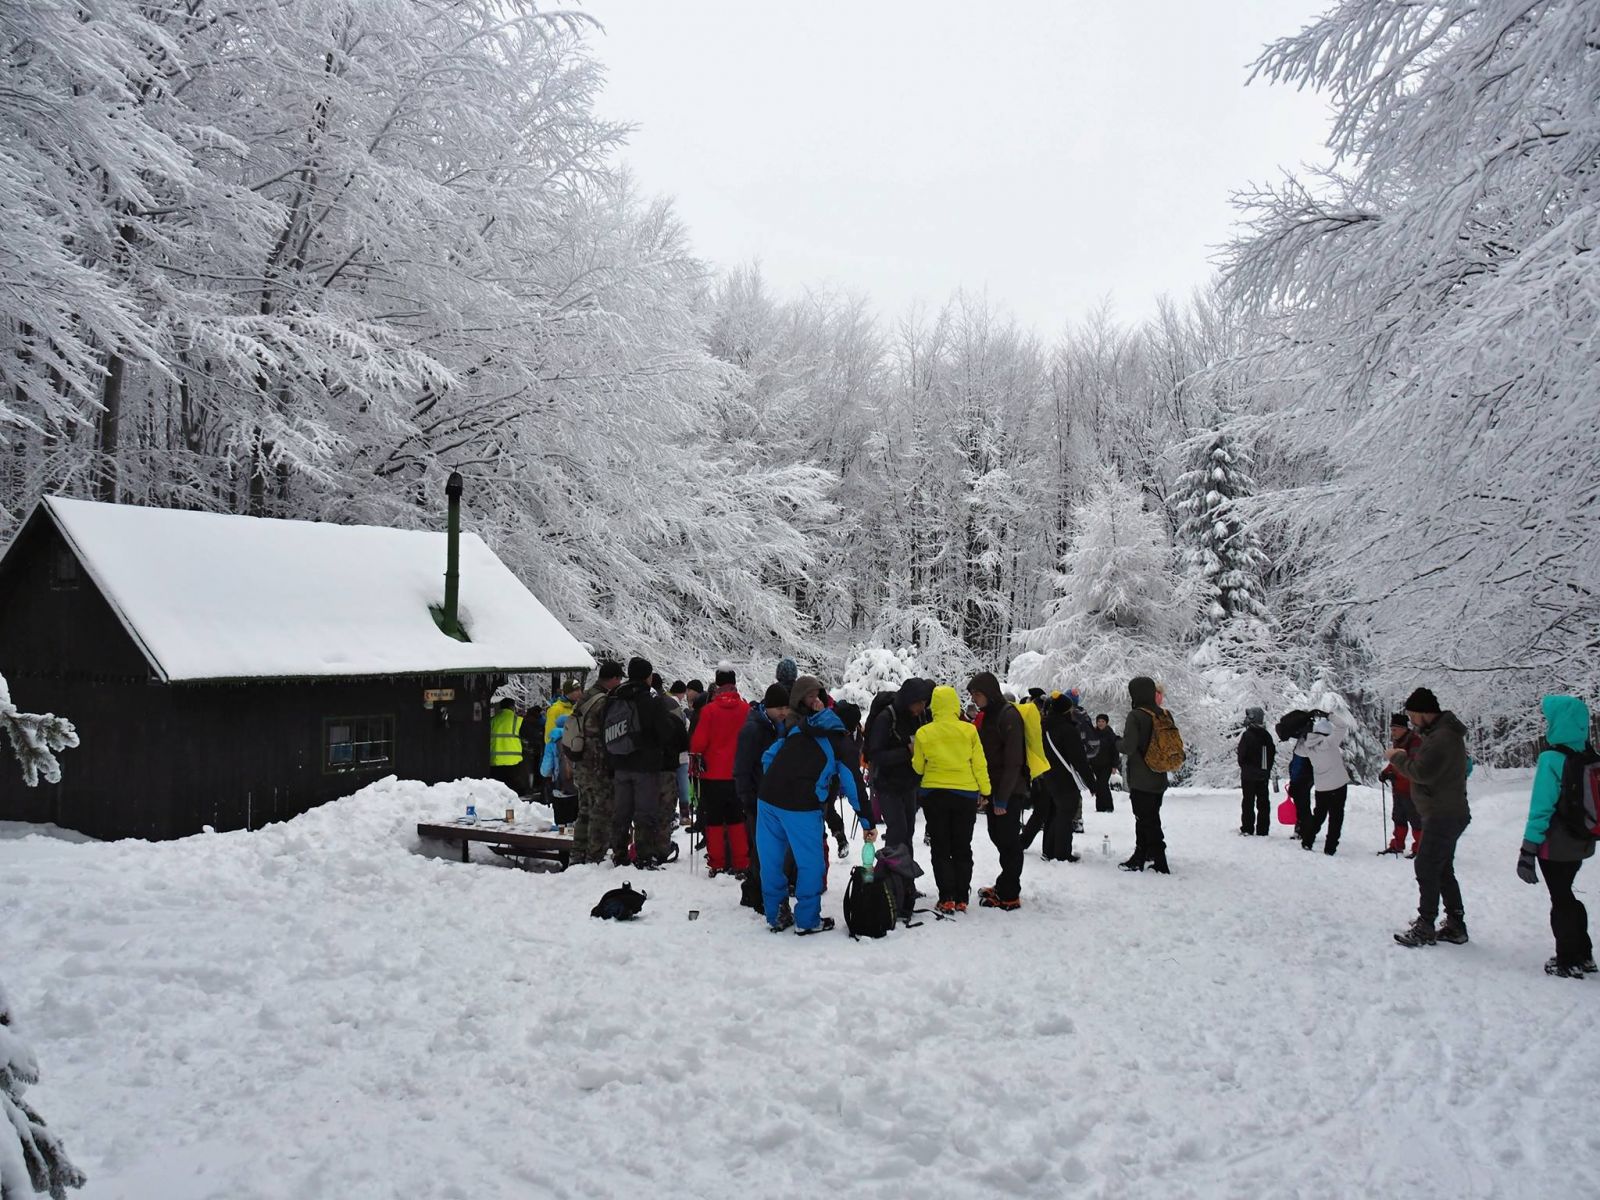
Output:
(948, 756)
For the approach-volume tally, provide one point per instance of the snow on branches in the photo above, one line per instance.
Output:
(36, 739)
(32, 1160)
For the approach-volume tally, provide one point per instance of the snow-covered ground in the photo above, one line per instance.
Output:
(319, 1010)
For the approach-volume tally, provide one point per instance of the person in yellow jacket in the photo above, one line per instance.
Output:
(571, 692)
(954, 775)
(505, 746)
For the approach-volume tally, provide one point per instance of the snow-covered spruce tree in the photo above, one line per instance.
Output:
(873, 669)
(35, 738)
(1115, 613)
(1432, 294)
(32, 1161)
(1220, 548)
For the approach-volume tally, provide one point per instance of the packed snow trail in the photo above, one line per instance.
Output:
(327, 1008)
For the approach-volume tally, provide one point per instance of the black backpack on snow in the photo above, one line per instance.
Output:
(869, 909)
(620, 904)
(1295, 723)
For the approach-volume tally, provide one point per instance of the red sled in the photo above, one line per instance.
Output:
(1286, 811)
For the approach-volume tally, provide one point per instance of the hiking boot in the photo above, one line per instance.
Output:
(1133, 864)
(1452, 929)
(822, 926)
(619, 858)
(961, 906)
(987, 898)
(1077, 826)
(1419, 933)
(785, 920)
(844, 847)
(945, 908)
(1552, 967)
(1587, 966)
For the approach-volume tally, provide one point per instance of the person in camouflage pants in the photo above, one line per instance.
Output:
(591, 832)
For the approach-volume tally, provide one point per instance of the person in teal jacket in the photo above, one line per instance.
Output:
(1557, 850)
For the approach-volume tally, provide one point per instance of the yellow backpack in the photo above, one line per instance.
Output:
(1164, 750)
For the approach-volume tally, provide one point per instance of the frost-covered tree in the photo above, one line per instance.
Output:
(1430, 301)
(1116, 611)
(35, 738)
(32, 1160)
(1220, 546)
(873, 669)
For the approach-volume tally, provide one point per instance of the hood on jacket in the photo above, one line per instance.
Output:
(985, 682)
(827, 720)
(1449, 720)
(1566, 721)
(913, 691)
(1142, 691)
(945, 704)
(728, 698)
(849, 714)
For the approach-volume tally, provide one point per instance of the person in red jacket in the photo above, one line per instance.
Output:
(713, 744)
(1405, 812)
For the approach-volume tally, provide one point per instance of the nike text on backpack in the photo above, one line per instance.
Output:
(1164, 750)
(620, 726)
(1578, 804)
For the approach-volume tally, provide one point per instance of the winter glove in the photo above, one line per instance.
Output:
(1525, 868)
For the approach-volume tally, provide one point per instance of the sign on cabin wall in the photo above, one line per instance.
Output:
(433, 696)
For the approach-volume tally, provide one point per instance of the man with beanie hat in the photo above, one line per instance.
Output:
(1005, 750)
(1404, 811)
(888, 751)
(801, 771)
(643, 738)
(1104, 760)
(1437, 770)
(1256, 756)
(591, 770)
(713, 745)
(1146, 785)
(763, 728)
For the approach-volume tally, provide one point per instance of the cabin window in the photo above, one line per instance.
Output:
(357, 744)
(64, 571)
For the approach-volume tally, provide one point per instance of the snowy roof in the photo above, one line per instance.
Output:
(212, 596)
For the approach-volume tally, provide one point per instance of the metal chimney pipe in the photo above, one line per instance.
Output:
(452, 567)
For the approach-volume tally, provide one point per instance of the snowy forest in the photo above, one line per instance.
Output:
(303, 259)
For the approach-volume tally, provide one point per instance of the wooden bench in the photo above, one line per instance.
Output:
(510, 840)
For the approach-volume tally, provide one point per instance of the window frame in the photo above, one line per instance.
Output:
(385, 727)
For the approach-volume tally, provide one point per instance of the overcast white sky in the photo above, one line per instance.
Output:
(1053, 154)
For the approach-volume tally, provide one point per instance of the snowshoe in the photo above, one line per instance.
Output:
(825, 926)
(1419, 933)
(1552, 967)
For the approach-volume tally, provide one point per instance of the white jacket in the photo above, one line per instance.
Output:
(1322, 748)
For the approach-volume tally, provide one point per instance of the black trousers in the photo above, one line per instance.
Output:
(897, 808)
(1150, 844)
(1569, 920)
(1102, 786)
(1330, 808)
(951, 819)
(1300, 793)
(1057, 804)
(1436, 867)
(1005, 831)
(719, 803)
(1254, 817)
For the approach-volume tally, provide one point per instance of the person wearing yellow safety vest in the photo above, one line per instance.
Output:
(505, 746)
(571, 693)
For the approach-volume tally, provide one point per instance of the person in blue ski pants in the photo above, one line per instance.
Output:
(800, 772)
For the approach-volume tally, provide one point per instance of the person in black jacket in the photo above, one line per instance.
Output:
(850, 717)
(1057, 813)
(1256, 756)
(1103, 758)
(888, 753)
(657, 739)
(764, 727)
(801, 770)
(1005, 748)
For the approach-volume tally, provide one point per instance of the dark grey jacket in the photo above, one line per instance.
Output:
(1437, 769)
(1135, 739)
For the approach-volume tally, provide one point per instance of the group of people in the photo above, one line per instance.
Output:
(762, 782)
(1427, 769)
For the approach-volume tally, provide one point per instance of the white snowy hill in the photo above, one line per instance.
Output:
(318, 1009)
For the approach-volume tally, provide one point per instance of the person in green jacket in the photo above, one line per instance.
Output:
(1558, 850)
(947, 755)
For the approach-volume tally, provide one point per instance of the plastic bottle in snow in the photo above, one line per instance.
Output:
(472, 814)
(1105, 845)
(868, 857)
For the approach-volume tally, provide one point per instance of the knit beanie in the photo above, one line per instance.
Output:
(1255, 716)
(804, 688)
(777, 697)
(725, 674)
(611, 669)
(787, 672)
(1399, 721)
(639, 670)
(1422, 701)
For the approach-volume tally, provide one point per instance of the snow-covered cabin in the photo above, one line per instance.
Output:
(233, 671)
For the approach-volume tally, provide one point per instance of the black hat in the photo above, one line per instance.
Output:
(1399, 720)
(1422, 701)
(1106, 717)
(677, 688)
(611, 669)
(1036, 692)
(639, 670)
(725, 674)
(777, 697)
(694, 685)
